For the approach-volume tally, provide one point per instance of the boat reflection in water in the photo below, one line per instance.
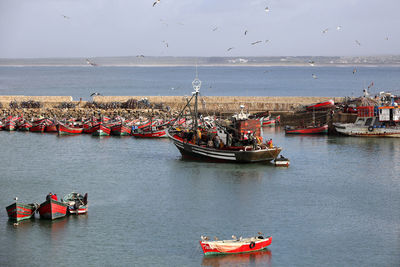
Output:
(258, 258)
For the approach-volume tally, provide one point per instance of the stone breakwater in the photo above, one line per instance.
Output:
(51, 106)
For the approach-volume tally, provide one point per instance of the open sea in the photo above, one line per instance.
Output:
(336, 205)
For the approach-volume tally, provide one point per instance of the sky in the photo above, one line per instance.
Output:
(95, 28)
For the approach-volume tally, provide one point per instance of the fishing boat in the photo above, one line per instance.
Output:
(101, 129)
(270, 121)
(52, 209)
(38, 128)
(77, 204)
(235, 245)
(239, 142)
(373, 121)
(307, 130)
(19, 211)
(64, 129)
(10, 125)
(150, 134)
(121, 129)
(51, 127)
(25, 126)
(321, 105)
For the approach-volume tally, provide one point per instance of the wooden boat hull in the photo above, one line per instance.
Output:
(51, 128)
(67, 130)
(101, 130)
(321, 106)
(25, 126)
(38, 128)
(52, 209)
(310, 130)
(19, 211)
(155, 134)
(244, 155)
(234, 247)
(10, 126)
(364, 131)
(121, 130)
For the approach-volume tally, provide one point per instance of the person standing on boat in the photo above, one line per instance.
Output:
(270, 144)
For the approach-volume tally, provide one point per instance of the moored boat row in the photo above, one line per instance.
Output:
(52, 208)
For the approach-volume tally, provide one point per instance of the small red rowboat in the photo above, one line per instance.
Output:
(241, 245)
(308, 130)
(39, 128)
(52, 209)
(18, 211)
(68, 130)
(150, 134)
(321, 105)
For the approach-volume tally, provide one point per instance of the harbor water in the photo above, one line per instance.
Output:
(336, 205)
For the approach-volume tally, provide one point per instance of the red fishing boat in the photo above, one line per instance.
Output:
(150, 134)
(52, 209)
(307, 130)
(101, 130)
(19, 211)
(25, 126)
(321, 106)
(68, 130)
(269, 121)
(235, 245)
(10, 125)
(38, 128)
(121, 130)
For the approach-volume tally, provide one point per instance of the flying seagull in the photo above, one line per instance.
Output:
(338, 28)
(354, 71)
(256, 42)
(95, 94)
(65, 17)
(156, 2)
(166, 44)
(245, 32)
(325, 31)
(357, 42)
(266, 9)
(230, 48)
(387, 38)
(266, 41)
(314, 76)
(90, 63)
(216, 28)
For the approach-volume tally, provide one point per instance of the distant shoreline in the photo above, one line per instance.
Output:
(202, 65)
(239, 61)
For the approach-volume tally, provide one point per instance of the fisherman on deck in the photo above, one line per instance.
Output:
(270, 144)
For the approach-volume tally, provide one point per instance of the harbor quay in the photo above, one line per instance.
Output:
(288, 107)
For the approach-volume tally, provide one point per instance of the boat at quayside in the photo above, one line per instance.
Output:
(374, 121)
(239, 142)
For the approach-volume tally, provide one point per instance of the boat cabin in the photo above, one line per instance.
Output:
(377, 117)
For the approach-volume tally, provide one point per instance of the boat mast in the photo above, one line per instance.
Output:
(196, 86)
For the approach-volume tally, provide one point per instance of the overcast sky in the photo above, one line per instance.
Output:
(38, 28)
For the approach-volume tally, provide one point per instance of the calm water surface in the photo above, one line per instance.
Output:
(336, 205)
(217, 81)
